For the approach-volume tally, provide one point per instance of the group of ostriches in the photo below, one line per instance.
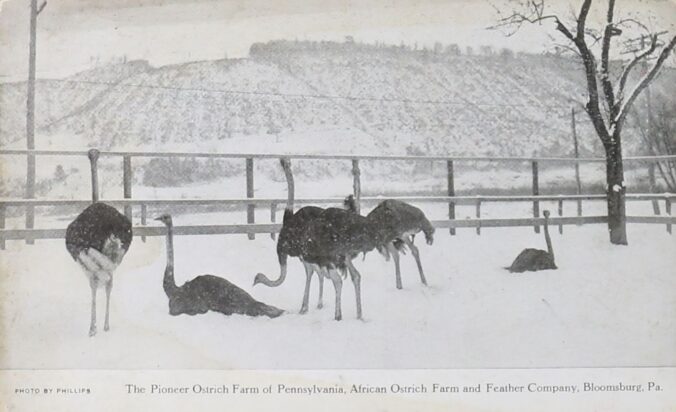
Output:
(325, 240)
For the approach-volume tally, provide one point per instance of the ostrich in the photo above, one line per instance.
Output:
(332, 240)
(536, 259)
(398, 223)
(207, 292)
(289, 242)
(97, 240)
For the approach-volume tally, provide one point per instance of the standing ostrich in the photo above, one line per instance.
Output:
(332, 240)
(289, 242)
(98, 239)
(398, 223)
(536, 259)
(207, 292)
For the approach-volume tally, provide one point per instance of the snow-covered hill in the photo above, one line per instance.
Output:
(420, 100)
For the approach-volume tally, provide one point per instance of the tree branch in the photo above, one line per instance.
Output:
(627, 70)
(535, 15)
(626, 106)
(563, 29)
(605, 52)
(625, 23)
(582, 18)
(593, 107)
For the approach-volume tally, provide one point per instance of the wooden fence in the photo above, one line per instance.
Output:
(251, 228)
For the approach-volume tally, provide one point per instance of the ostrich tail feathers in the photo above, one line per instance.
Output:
(385, 252)
(270, 311)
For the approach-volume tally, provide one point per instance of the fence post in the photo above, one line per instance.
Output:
(536, 192)
(30, 190)
(478, 216)
(356, 184)
(144, 214)
(250, 209)
(451, 193)
(560, 214)
(126, 183)
(2, 226)
(653, 187)
(577, 163)
(667, 207)
(30, 217)
(93, 155)
(273, 217)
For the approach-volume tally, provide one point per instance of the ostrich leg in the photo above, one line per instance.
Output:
(356, 281)
(416, 255)
(308, 280)
(338, 286)
(93, 284)
(395, 255)
(321, 275)
(109, 287)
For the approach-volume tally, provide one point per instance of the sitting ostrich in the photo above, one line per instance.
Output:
(207, 292)
(97, 240)
(332, 240)
(536, 259)
(289, 242)
(398, 223)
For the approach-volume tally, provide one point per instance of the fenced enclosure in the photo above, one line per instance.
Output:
(130, 204)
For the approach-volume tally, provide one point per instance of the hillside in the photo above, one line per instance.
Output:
(403, 100)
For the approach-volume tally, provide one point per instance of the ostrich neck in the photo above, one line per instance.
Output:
(95, 181)
(169, 283)
(550, 249)
(290, 187)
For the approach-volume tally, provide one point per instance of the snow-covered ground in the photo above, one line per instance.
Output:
(605, 306)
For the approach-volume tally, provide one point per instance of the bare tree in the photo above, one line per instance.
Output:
(609, 97)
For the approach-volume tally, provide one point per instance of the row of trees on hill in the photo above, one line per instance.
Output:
(438, 48)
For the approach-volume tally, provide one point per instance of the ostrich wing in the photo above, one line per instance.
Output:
(336, 234)
(291, 235)
(217, 289)
(93, 228)
(394, 218)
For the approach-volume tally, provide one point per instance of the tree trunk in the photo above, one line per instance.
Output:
(617, 221)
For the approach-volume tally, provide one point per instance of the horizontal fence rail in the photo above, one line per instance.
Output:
(262, 228)
(24, 152)
(466, 200)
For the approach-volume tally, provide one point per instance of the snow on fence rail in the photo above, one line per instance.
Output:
(251, 228)
(25, 152)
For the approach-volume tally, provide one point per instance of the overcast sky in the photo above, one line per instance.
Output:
(72, 32)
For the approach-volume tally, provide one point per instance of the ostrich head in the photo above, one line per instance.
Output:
(429, 236)
(165, 218)
(93, 154)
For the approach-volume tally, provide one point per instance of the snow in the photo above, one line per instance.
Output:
(605, 306)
